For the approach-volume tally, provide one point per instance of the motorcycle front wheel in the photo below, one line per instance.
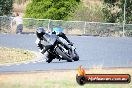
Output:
(76, 57)
(65, 56)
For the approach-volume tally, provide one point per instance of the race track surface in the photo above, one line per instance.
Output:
(93, 52)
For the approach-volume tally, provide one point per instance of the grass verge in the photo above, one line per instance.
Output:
(12, 55)
(58, 79)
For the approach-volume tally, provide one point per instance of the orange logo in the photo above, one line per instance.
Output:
(83, 78)
(81, 71)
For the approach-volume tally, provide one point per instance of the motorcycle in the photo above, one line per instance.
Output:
(58, 49)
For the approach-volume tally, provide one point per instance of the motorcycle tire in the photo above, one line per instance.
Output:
(69, 60)
(64, 55)
(76, 58)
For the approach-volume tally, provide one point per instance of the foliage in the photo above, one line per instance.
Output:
(20, 1)
(111, 14)
(51, 9)
(110, 1)
(6, 7)
(91, 12)
(128, 10)
(114, 10)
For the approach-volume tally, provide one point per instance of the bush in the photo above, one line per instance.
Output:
(114, 11)
(6, 7)
(91, 12)
(50, 9)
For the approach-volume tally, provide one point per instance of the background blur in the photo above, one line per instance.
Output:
(77, 17)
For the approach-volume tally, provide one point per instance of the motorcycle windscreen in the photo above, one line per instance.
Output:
(53, 38)
(49, 39)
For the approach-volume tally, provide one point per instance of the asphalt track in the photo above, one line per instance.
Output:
(101, 52)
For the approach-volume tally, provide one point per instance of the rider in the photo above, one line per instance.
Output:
(41, 31)
(59, 32)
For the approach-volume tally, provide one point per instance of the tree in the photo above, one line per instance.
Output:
(21, 1)
(110, 1)
(128, 10)
(91, 12)
(51, 9)
(114, 10)
(6, 7)
(111, 11)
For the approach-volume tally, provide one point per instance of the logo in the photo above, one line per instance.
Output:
(83, 78)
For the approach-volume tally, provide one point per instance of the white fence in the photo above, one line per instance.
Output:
(70, 27)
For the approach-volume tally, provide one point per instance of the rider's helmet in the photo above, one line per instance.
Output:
(40, 32)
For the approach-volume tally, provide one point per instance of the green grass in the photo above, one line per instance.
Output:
(58, 79)
(12, 55)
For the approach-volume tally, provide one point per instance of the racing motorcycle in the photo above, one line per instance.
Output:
(58, 49)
